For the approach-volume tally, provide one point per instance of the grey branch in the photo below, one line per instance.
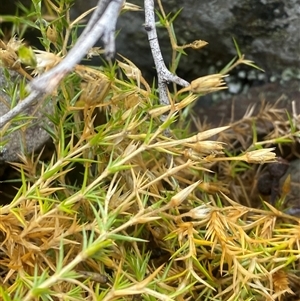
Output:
(163, 74)
(101, 26)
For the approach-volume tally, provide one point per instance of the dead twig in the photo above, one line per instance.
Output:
(101, 26)
(163, 74)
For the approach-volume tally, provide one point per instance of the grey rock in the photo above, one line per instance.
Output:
(29, 137)
(267, 31)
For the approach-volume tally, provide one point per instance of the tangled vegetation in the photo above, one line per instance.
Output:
(130, 204)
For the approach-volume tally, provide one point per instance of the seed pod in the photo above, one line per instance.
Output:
(9, 60)
(97, 277)
(208, 84)
(52, 34)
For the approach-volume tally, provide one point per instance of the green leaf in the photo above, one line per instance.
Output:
(96, 246)
(27, 56)
(227, 67)
(202, 268)
(292, 124)
(116, 168)
(237, 48)
(125, 238)
(4, 294)
(251, 64)
(176, 15)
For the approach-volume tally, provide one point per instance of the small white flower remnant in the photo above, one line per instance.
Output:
(45, 61)
(200, 212)
(260, 156)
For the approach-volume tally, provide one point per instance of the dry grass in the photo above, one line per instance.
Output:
(122, 212)
(139, 193)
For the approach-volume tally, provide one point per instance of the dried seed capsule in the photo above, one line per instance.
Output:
(97, 277)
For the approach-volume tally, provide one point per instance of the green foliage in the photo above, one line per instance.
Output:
(130, 205)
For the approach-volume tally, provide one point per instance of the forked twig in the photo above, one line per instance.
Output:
(101, 26)
(163, 74)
